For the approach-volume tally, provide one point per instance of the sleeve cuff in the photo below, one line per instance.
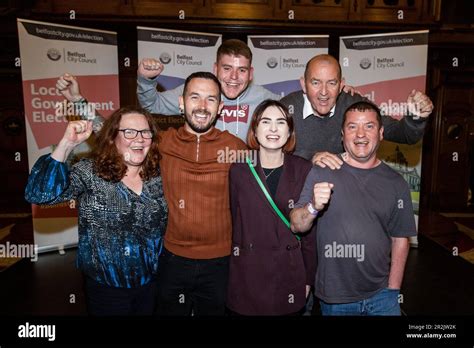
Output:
(146, 80)
(416, 121)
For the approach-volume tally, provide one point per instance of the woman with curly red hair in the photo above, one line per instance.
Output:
(122, 209)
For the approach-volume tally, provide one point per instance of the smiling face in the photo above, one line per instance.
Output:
(272, 132)
(361, 136)
(201, 105)
(234, 73)
(134, 151)
(322, 84)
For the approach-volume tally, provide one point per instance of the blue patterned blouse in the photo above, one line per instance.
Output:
(120, 232)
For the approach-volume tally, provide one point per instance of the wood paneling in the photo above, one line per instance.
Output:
(396, 11)
(448, 140)
(176, 9)
(324, 10)
(13, 159)
(243, 9)
(412, 11)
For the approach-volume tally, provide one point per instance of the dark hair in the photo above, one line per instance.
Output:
(252, 141)
(234, 47)
(362, 106)
(108, 163)
(324, 58)
(202, 75)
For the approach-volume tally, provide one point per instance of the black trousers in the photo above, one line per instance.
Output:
(103, 300)
(188, 286)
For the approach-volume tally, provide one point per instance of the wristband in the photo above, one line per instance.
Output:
(83, 110)
(80, 101)
(311, 209)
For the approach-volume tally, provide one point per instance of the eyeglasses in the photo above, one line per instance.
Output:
(132, 133)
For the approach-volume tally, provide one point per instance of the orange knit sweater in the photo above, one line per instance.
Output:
(196, 187)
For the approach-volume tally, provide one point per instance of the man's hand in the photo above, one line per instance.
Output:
(400, 250)
(419, 104)
(350, 89)
(323, 159)
(69, 87)
(321, 195)
(150, 68)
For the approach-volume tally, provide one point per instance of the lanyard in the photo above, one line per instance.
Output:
(269, 198)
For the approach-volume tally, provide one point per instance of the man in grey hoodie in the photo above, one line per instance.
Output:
(233, 68)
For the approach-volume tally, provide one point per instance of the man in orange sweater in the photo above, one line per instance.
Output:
(193, 267)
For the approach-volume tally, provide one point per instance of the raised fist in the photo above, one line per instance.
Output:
(150, 68)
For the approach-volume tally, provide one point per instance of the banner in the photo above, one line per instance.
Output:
(181, 53)
(386, 68)
(47, 51)
(279, 61)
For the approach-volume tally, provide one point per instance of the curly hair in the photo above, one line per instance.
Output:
(108, 163)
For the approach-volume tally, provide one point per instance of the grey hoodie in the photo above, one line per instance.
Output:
(235, 116)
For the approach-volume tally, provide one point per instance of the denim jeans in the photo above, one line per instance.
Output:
(385, 302)
(188, 286)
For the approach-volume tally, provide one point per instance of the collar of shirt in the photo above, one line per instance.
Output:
(308, 109)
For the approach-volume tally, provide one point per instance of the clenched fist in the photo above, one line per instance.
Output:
(77, 132)
(69, 87)
(321, 194)
(419, 104)
(150, 68)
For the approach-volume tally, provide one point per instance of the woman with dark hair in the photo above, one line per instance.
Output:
(271, 269)
(122, 210)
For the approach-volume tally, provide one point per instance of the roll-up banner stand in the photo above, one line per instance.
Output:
(181, 53)
(386, 68)
(279, 61)
(47, 51)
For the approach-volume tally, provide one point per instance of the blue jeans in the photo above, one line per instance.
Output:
(385, 302)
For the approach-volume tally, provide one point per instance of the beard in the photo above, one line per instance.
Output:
(197, 127)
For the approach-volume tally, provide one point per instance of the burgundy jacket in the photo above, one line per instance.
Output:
(269, 267)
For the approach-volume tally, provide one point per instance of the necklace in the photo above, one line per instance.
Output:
(271, 172)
